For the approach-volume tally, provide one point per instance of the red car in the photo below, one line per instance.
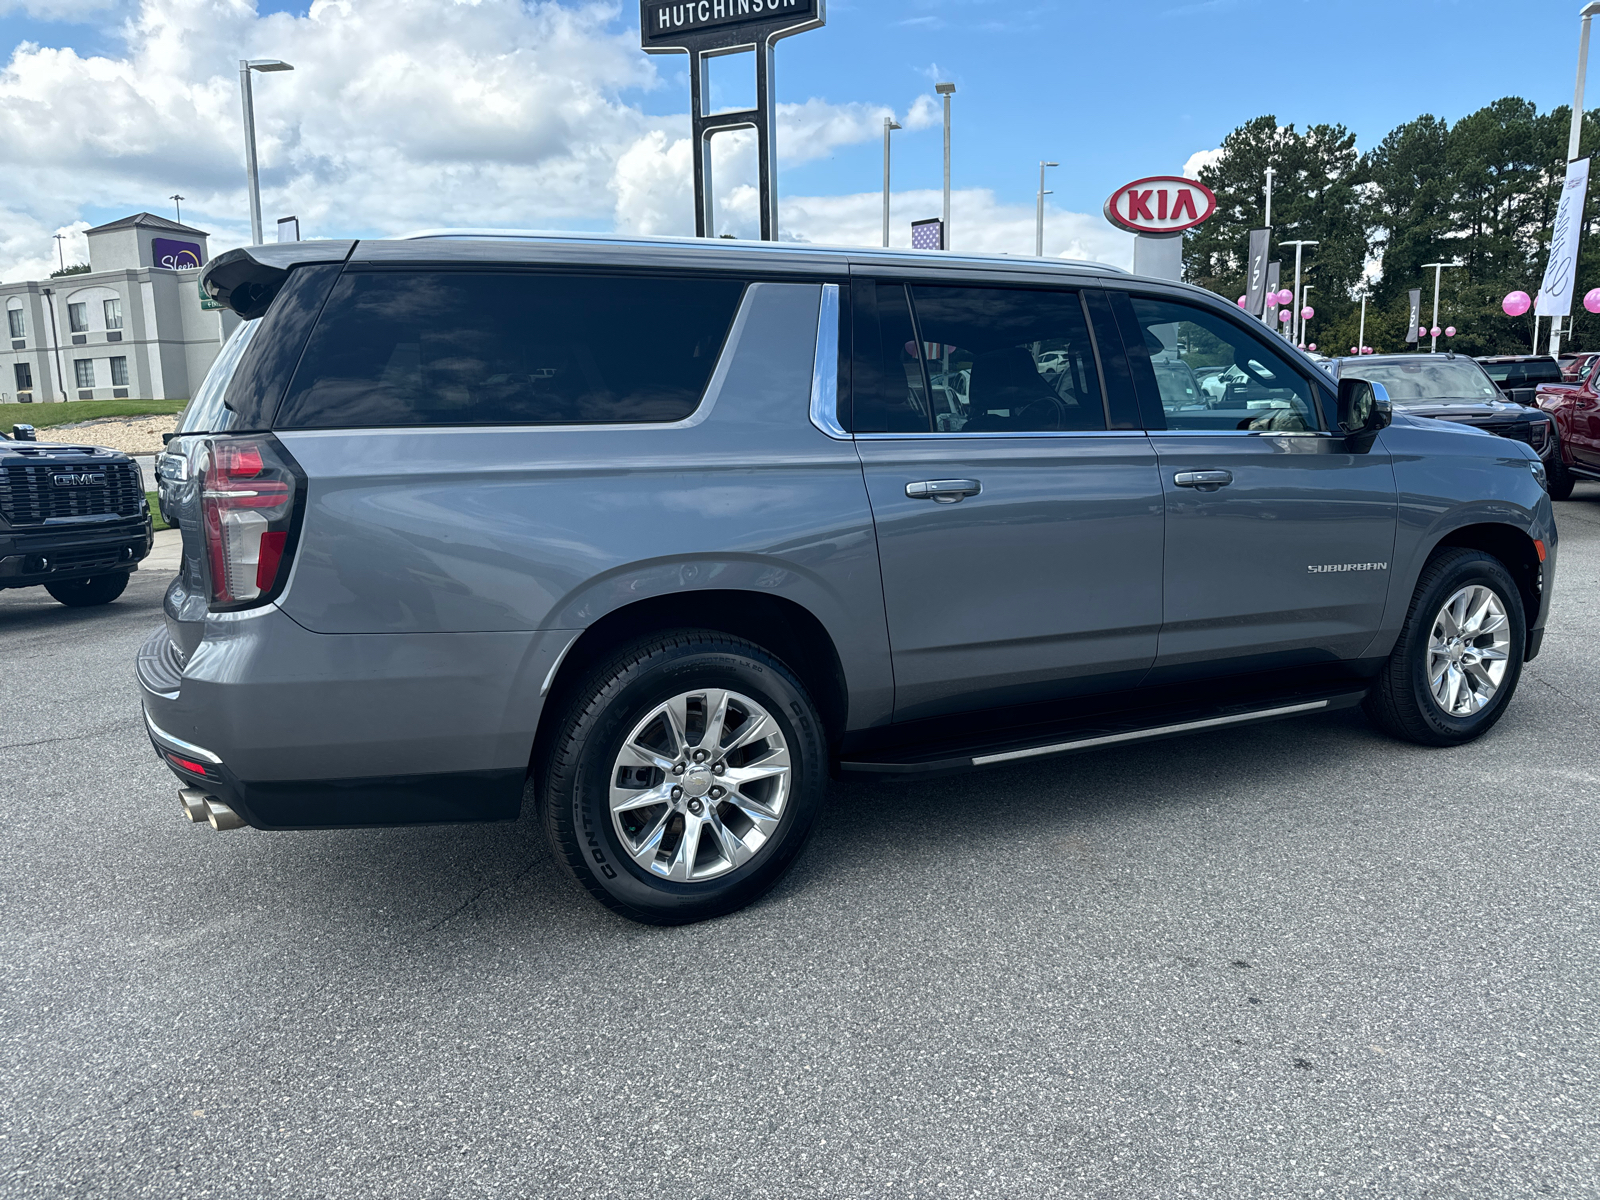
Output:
(1577, 365)
(1575, 409)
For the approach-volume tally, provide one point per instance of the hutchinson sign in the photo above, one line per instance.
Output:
(1160, 204)
(666, 25)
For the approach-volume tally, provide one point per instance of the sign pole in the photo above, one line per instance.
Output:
(706, 30)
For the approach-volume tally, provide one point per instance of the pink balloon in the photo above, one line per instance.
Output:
(1435, 331)
(1284, 317)
(1286, 297)
(1422, 331)
(1591, 300)
(1307, 313)
(1516, 303)
(1366, 349)
(1313, 346)
(1449, 331)
(1242, 300)
(1353, 350)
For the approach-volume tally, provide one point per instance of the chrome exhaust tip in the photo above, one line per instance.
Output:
(193, 803)
(208, 810)
(221, 816)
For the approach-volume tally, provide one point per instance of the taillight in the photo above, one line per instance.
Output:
(249, 488)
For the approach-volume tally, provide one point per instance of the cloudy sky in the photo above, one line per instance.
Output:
(405, 114)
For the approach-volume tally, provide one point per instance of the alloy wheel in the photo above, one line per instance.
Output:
(1469, 647)
(700, 785)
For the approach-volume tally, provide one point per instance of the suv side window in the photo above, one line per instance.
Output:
(1195, 369)
(889, 392)
(1008, 360)
(419, 347)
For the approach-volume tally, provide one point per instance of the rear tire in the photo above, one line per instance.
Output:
(1558, 480)
(86, 593)
(685, 777)
(1459, 657)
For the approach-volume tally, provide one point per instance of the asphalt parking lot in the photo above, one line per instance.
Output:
(1299, 960)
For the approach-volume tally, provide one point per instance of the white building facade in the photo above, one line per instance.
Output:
(134, 327)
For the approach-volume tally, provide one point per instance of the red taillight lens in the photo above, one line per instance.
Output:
(248, 487)
(187, 764)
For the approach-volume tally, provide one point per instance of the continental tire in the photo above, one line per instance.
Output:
(686, 777)
(86, 593)
(1459, 656)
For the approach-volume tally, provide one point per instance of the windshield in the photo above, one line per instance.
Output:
(1420, 381)
(1524, 374)
(205, 413)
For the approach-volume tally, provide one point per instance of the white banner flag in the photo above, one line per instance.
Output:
(1555, 293)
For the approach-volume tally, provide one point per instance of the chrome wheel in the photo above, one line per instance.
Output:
(700, 785)
(1468, 649)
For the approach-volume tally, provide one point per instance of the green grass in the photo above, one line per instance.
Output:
(155, 512)
(43, 416)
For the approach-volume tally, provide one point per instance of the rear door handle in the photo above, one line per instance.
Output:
(943, 491)
(1206, 481)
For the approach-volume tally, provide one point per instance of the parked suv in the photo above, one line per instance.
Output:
(662, 533)
(1517, 375)
(73, 520)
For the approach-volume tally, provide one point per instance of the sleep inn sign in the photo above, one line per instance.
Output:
(666, 23)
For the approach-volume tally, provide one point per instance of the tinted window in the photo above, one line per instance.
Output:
(205, 413)
(1008, 360)
(468, 348)
(890, 393)
(1205, 372)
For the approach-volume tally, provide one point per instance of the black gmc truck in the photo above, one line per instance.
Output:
(73, 520)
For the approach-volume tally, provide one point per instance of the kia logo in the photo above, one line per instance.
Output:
(97, 479)
(1160, 204)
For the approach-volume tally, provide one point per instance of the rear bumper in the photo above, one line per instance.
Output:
(33, 556)
(326, 730)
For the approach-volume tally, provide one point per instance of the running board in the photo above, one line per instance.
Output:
(1084, 737)
(1583, 473)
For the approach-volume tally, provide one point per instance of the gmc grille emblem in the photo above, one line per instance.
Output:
(97, 479)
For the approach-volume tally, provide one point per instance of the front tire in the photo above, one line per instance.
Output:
(86, 593)
(1459, 656)
(686, 777)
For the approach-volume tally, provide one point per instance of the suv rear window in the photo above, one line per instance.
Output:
(508, 348)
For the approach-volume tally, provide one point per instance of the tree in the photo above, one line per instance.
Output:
(74, 269)
(1316, 196)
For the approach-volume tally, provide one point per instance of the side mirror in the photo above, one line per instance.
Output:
(24, 433)
(1363, 406)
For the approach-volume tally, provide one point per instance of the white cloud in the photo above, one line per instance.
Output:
(403, 114)
(1199, 160)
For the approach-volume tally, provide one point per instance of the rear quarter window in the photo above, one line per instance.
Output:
(431, 347)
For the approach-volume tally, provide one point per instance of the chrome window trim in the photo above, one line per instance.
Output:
(825, 367)
(1039, 433)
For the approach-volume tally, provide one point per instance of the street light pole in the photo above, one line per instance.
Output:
(1294, 323)
(1433, 341)
(1270, 174)
(1304, 294)
(1361, 337)
(60, 254)
(246, 65)
(889, 125)
(946, 90)
(1038, 237)
(177, 202)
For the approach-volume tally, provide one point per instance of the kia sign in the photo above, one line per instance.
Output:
(1160, 204)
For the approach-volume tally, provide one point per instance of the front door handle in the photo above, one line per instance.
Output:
(1206, 481)
(943, 491)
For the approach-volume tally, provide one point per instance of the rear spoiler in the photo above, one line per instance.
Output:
(247, 279)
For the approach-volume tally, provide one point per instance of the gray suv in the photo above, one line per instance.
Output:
(660, 534)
